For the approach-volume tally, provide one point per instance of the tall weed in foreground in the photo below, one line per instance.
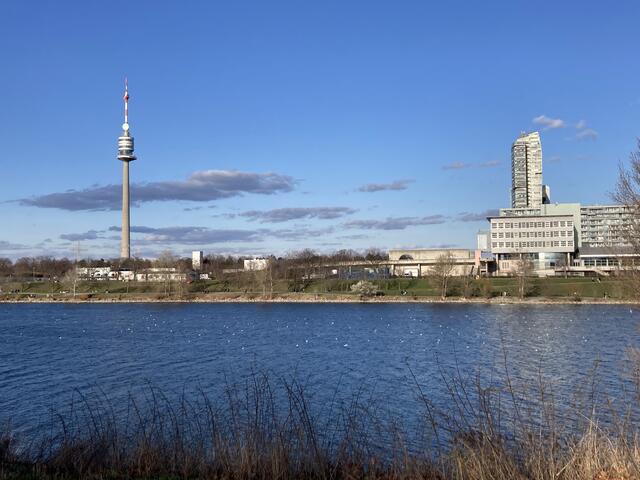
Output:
(266, 429)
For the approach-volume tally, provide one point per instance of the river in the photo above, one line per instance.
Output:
(50, 353)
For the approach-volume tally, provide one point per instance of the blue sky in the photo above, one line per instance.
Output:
(265, 127)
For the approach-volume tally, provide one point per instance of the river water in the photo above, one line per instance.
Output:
(49, 353)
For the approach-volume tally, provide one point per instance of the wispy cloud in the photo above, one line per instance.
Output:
(279, 215)
(554, 159)
(549, 123)
(395, 223)
(202, 236)
(203, 186)
(587, 134)
(477, 217)
(10, 247)
(298, 234)
(462, 165)
(490, 163)
(75, 237)
(456, 166)
(192, 235)
(357, 236)
(195, 209)
(378, 187)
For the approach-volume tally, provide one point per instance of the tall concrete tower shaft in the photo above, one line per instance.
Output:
(125, 155)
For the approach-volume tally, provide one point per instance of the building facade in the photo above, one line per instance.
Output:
(601, 245)
(533, 234)
(607, 226)
(526, 171)
(420, 262)
(255, 264)
(547, 241)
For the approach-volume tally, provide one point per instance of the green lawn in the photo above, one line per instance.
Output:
(419, 287)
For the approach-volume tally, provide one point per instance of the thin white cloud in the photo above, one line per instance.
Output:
(395, 223)
(377, 187)
(549, 123)
(9, 246)
(477, 217)
(279, 215)
(587, 134)
(456, 166)
(76, 237)
(489, 164)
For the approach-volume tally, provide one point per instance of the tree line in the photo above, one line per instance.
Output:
(307, 260)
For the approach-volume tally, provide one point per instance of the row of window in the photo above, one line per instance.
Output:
(601, 262)
(540, 224)
(548, 234)
(539, 244)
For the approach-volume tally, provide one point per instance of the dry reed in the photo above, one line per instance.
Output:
(268, 430)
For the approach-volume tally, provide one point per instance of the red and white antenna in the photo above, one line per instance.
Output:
(126, 101)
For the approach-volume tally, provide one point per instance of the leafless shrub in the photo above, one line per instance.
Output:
(265, 429)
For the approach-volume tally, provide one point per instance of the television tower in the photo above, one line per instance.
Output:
(125, 155)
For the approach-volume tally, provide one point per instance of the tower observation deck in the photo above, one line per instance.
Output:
(125, 141)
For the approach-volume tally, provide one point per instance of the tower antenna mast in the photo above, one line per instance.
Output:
(126, 100)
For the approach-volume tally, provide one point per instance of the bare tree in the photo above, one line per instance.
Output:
(627, 192)
(6, 267)
(24, 268)
(467, 284)
(70, 280)
(523, 271)
(563, 265)
(166, 260)
(264, 278)
(442, 270)
(376, 257)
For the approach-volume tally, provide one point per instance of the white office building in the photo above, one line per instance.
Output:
(547, 241)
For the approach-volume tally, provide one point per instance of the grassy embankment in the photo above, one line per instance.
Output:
(247, 286)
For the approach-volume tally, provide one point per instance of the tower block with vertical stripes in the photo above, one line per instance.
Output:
(125, 155)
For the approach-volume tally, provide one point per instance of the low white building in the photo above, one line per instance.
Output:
(158, 274)
(126, 275)
(94, 273)
(253, 264)
(419, 262)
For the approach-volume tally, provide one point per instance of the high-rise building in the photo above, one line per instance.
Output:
(196, 259)
(526, 171)
(125, 155)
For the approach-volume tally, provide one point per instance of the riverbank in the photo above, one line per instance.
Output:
(302, 298)
(395, 290)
